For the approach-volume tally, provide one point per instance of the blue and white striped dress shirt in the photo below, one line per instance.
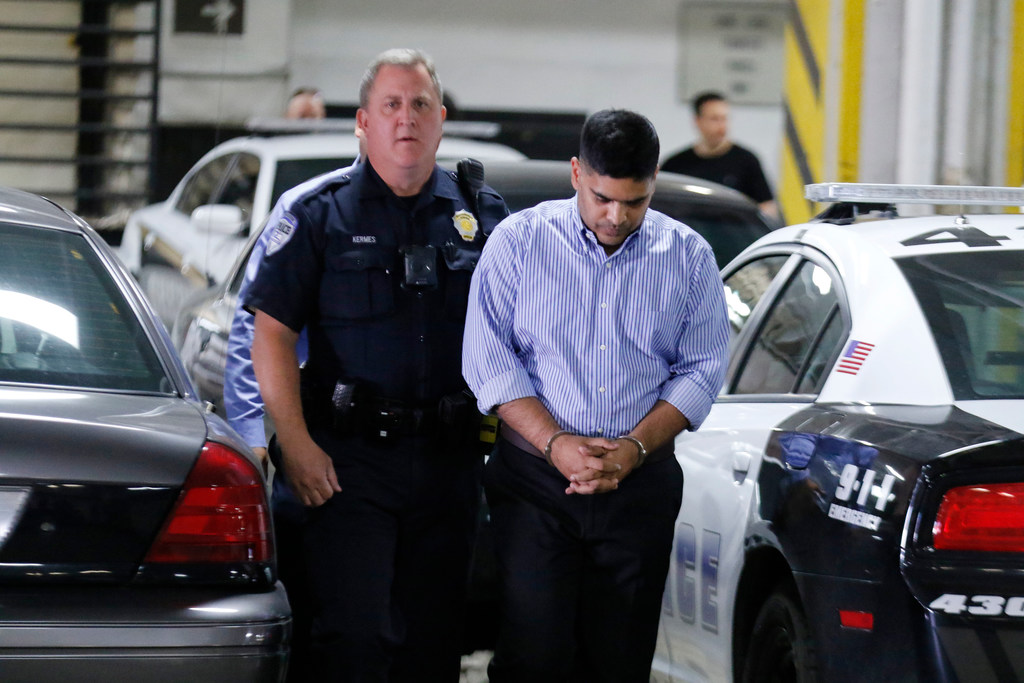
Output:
(597, 338)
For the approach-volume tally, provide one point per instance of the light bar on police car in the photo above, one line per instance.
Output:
(869, 193)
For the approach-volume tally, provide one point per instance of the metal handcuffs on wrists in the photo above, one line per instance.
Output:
(551, 440)
(641, 451)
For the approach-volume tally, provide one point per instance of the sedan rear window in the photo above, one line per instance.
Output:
(974, 304)
(63, 320)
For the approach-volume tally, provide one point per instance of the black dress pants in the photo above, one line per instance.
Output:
(582, 576)
(388, 559)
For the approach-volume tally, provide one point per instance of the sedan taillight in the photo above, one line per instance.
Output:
(220, 516)
(985, 517)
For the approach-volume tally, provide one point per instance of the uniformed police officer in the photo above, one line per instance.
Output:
(377, 267)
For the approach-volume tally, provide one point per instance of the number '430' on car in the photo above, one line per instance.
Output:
(854, 504)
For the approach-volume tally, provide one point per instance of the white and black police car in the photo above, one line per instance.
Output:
(854, 504)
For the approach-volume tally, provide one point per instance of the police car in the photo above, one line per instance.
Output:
(191, 240)
(854, 504)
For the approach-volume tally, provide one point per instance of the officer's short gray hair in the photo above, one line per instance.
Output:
(398, 57)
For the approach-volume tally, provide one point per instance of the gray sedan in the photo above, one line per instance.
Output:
(135, 535)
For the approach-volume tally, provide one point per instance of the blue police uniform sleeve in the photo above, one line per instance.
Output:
(286, 285)
(492, 209)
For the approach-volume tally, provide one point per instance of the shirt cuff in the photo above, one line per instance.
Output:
(689, 398)
(251, 431)
(504, 388)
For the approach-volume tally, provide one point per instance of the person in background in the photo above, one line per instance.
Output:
(717, 158)
(597, 329)
(378, 435)
(305, 103)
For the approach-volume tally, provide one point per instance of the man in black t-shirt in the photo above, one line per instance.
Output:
(717, 158)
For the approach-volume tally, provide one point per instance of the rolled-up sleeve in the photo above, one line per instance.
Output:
(697, 375)
(490, 364)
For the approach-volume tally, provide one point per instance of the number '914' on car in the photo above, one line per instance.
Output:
(854, 504)
(135, 536)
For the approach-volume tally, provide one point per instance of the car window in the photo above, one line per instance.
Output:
(63, 320)
(974, 304)
(239, 187)
(291, 172)
(201, 186)
(745, 287)
(781, 352)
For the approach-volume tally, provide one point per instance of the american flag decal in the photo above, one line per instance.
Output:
(854, 356)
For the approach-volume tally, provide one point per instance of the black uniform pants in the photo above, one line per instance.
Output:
(388, 559)
(582, 576)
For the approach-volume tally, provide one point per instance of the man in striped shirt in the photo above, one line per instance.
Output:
(597, 330)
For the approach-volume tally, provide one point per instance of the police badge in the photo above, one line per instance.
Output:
(466, 224)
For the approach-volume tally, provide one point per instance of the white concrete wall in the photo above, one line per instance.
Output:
(563, 55)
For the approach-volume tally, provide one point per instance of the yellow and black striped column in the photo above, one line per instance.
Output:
(1015, 102)
(816, 62)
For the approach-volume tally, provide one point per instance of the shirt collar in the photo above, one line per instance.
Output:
(436, 185)
(587, 240)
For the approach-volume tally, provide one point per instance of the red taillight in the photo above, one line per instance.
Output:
(988, 517)
(864, 621)
(221, 514)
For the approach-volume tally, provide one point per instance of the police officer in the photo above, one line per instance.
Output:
(377, 436)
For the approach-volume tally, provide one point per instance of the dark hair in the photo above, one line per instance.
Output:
(620, 144)
(703, 98)
(304, 90)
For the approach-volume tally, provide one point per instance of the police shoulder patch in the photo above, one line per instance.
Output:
(282, 232)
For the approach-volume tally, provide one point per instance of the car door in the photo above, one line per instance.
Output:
(788, 321)
(168, 236)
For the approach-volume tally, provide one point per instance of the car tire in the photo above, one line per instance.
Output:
(781, 648)
(167, 289)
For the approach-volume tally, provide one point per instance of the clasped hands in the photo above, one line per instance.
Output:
(593, 464)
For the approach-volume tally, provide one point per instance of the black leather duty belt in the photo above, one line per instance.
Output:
(519, 441)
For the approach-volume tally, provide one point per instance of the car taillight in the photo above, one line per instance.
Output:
(987, 517)
(221, 514)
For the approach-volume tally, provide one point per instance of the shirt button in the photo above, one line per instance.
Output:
(607, 265)
(604, 305)
(600, 430)
(601, 389)
(602, 347)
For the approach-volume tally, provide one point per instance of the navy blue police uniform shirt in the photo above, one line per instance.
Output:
(335, 265)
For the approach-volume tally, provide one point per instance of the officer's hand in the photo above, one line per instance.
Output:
(619, 462)
(310, 472)
(582, 459)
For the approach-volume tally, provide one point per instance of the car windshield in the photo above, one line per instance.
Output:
(62, 319)
(974, 303)
(291, 172)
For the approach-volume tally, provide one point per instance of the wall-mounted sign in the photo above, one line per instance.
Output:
(735, 48)
(209, 16)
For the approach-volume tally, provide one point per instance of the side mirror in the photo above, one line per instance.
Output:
(223, 219)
